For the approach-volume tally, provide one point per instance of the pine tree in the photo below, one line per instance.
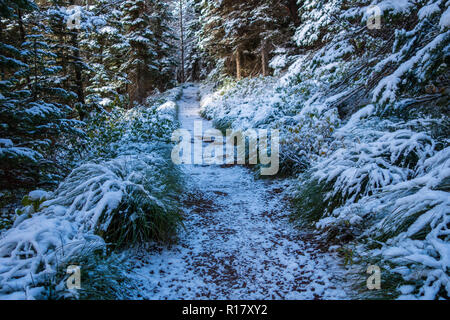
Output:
(141, 49)
(196, 62)
(105, 49)
(33, 116)
(160, 23)
(65, 42)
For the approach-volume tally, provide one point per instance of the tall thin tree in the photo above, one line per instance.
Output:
(182, 41)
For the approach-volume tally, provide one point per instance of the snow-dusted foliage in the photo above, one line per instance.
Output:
(148, 48)
(243, 105)
(128, 194)
(386, 180)
(415, 220)
(362, 169)
(262, 103)
(35, 119)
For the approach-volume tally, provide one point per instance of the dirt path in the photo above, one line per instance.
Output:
(238, 243)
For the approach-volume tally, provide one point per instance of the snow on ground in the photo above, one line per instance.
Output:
(237, 244)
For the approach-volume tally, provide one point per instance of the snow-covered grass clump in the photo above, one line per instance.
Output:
(127, 195)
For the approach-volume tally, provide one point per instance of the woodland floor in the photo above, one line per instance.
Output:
(238, 242)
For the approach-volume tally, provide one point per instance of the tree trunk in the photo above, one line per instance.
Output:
(21, 28)
(194, 73)
(238, 64)
(264, 59)
(77, 67)
(293, 7)
(139, 92)
(182, 41)
(78, 70)
(77, 62)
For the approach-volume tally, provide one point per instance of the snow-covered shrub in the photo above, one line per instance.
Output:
(349, 66)
(370, 159)
(383, 181)
(126, 200)
(256, 103)
(31, 252)
(108, 131)
(103, 277)
(126, 196)
(33, 270)
(306, 137)
(427, 193)
(32, 202)
(415, 225)
(416, 68)
(350, 173)
(389, 191)
(241, 105)
(365, 168)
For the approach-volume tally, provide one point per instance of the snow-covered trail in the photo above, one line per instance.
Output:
(238, 243)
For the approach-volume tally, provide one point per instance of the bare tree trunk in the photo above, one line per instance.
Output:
(182, 41)
(293, 7)
(78, 68)
(138, 92)
(238, 64)
(21, 28)
(264, 59)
